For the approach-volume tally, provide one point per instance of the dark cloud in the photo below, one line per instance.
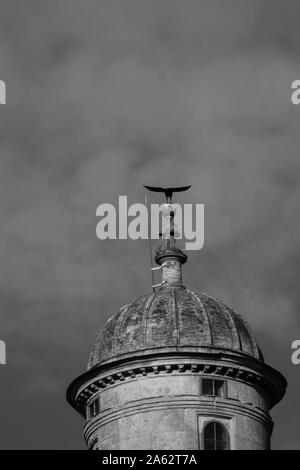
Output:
(106, 96)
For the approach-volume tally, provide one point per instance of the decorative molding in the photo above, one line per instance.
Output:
(235, 372)
(207, 406)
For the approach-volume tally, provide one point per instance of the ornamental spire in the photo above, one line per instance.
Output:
(168, 256)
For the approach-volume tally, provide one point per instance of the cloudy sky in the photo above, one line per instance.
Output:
(103, 96)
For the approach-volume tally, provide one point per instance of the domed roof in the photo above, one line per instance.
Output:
(174, 319)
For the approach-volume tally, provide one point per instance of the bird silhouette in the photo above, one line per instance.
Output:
(168, 191)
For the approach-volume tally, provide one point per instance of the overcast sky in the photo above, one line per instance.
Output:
(103, 96)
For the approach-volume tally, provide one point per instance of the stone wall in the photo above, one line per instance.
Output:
(167, 411)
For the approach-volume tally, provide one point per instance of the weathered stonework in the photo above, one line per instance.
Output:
(164, 412)
(144, 384)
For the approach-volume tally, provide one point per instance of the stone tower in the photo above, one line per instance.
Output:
(176, 369)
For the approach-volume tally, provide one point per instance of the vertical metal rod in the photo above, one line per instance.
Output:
(150, 243)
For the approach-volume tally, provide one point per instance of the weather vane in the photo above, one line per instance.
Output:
(168, 209)
(167, 191)
(169, 229)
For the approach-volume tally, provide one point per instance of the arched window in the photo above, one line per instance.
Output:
(215, 436)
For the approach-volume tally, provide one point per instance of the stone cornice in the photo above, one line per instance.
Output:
(249, 371)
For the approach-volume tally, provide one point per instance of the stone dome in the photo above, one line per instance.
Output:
(173, 320)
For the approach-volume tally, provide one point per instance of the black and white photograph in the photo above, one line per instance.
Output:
(150, 227)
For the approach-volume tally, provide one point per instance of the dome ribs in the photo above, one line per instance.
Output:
(176, 318)
(130, 335)
(220, 326)
(246, 337)
(160, 322)
(147, 310)
(235, 333)
(173, 320)
(194, 321)
(118, 328)
(106, 340)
